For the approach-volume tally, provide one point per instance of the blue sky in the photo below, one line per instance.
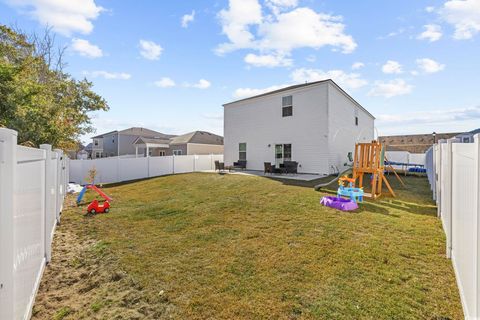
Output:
(170, 65)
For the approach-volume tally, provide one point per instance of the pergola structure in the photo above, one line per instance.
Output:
(149, 143)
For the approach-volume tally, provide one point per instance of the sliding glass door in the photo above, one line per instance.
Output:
(283, 152)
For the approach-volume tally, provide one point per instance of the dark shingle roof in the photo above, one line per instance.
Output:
(200, 137)
(139, 131)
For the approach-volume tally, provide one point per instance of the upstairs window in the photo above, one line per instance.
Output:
(177, 152)
(95, 142)
(287, 106)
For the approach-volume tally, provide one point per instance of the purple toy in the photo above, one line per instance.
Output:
(339, 203)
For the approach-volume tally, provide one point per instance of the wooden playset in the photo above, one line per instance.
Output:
(369, 158)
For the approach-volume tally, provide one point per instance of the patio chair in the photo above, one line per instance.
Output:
(219, 166)
(290, 166)
(267, 168)
(240, 164)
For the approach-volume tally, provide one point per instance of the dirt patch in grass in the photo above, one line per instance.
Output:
(84, 280)
(207, 246)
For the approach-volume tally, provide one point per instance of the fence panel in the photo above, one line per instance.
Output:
(118, 169)
(203, 163)
(32, 186)
(456, 183)
(131, 169)
(29, 226)
(417, 158)
(159, 166)
(107, 170)
(465, 227)
(183, 164)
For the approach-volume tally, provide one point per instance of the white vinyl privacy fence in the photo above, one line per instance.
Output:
(454, 173)
(32, 189)
(118, 169)
(406, 157)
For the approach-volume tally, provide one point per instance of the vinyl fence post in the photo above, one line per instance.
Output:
(440, 192)
(8, 164)
(58, 185)
(477, 199)
(49, 190)
(447, 211)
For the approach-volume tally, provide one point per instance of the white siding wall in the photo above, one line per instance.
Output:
(259, 123)
(343, 133)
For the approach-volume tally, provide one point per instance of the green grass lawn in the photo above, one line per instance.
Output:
(237, 247)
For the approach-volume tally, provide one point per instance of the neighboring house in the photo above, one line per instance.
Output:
(89, 149)
(413, 143)
(315, 124)
(467, 137)
(118, 143)
(197, 142)
(82, 154)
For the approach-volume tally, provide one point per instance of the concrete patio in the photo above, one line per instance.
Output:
(289, 176)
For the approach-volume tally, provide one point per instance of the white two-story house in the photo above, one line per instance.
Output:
(315, 124)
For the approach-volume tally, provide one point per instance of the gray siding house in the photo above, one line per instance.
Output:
(142, 142)
(118, 143)
(196, 142)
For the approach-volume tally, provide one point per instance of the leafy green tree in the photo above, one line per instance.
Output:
(37, 98)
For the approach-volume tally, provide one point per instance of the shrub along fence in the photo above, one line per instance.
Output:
(32, 190)
(454, 173)
(118, 169)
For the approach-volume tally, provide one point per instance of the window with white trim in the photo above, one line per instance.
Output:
(287, 106)
(177, 152)
(242, 151)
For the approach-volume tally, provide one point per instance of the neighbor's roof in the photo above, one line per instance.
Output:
(144, 140)
(475, 131)
(200, 137)
(138, 131)
(298, 86)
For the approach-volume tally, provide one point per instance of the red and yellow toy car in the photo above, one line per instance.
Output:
(96, 207)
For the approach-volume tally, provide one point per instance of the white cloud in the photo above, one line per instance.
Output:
(283, 3)
(432, 116)
(345, 80)
(302, 75)
(429, 65)
(64, 16)
(303, 27)
(433, 32)
(392, 67)
(429, 9)
(186, 19)
(108, 75)
(358, 65)
(201, 84)
(393, 34)
(150, 50)
(464, 16)
(281, 32)
(86, 49)
(311, 58)
(236, 22)
(165, 82)
(269, 60)
(391, 88)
